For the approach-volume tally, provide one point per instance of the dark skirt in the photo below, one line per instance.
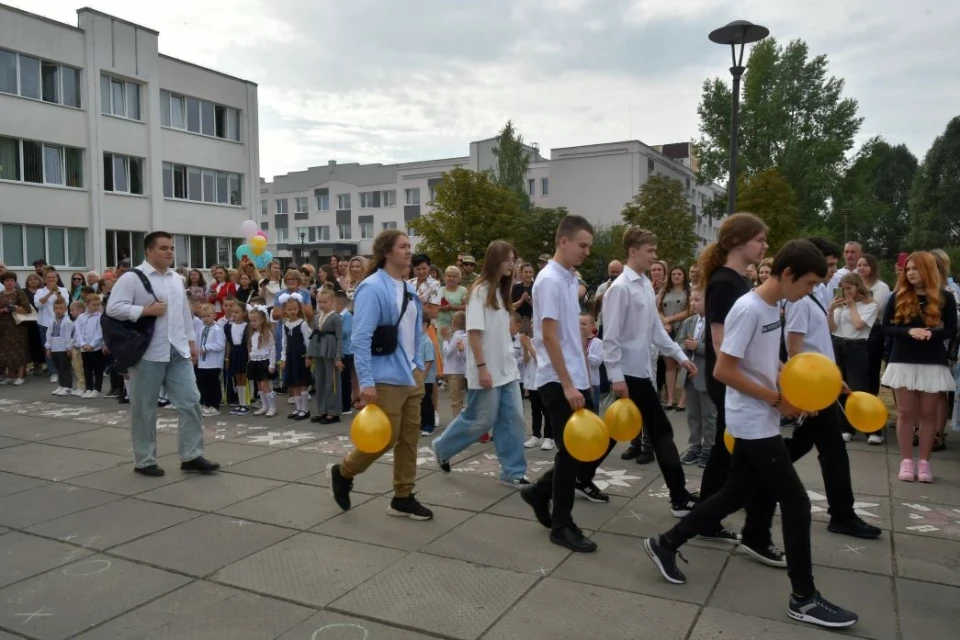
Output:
(258, 370)
(238, 360)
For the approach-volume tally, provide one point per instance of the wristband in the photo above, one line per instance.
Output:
(482, 364)
(779, 400)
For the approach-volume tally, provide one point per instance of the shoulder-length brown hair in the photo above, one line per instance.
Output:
(382, 245)
(854, 279)
(908, 302)
(498, 252)
(738, 229)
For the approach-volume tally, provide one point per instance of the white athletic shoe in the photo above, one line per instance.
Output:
(260, 412)
(547, 445)
(532, 442)
(86, 395)
(56, 392)
(77, 393)
(93, 395)
(6, 380)
(873, 438)
(17, 382)
(270, 413)
(847, 437)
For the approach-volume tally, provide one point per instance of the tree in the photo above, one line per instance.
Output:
(469, 212)
(793, 118)
(935, 194)
(607, 246)
(768, 196)
(876, 190)
(662, 207)
(513, 161)
(533, 232)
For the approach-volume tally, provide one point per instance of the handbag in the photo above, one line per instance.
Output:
(127, 340)
(30, 316)
(385, 337)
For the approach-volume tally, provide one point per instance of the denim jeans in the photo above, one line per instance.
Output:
(180, 383)
(51, 366)
(501, 409)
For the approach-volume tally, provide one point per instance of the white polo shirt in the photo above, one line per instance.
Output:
(806, 317)
(555, 298)
(497, 343)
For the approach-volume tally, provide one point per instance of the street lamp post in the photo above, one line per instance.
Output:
(846, 219)
(738, 32)
(303, 236)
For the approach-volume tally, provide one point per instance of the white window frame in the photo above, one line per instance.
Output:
(219, 199)
(366, 230)
(531, 187)
(411, 232)
(348, 227)
(388, 225)
(285, 205)
(544, 186)
(323, 233)
(388, 198)
(127, 88)
(367, 200)
(283, 235)
(300, 204)
(46, 245)
(412, 196)
(43, 163)
(323, 202)
(40, 62)
(263, 209)
(128, 160)
(233, 121)
(343, 198)
(432, 193)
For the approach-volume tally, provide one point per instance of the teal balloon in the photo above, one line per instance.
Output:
(245, 250)
(262, 260)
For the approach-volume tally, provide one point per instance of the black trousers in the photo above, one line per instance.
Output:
(760, 464)
(540, 419)
(428, 414)
(64, 369)
(93, 366)
(875, 351)
(560, 481)
(208, 383)
(823, 432)
(346, 380)
(853, 358)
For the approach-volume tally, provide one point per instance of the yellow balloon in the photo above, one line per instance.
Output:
(371, 430)
(623, 420)
(586, 437)
(811, 381)
(728, 441)
(866, 412)
(258, 245)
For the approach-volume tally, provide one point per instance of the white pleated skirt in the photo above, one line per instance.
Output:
(928, 378)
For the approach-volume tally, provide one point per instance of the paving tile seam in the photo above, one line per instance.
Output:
(787, 620)
(33, 524)
(173, 504)
(706, 602)
(383, 546)
(391, 625)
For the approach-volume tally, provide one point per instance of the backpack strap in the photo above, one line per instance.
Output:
(145, 282)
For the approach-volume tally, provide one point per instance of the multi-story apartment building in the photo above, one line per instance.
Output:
(103, 139)
(339, 208)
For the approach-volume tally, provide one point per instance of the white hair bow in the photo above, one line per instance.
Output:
(258, 307)
(283, 297)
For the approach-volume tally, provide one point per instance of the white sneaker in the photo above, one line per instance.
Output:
(6, 380)
(291, 400)
(874, 438)
(79, 393)
(547, 444)
(93, 395)
(86, 395)
(18, 382)
(270, 413)
(260, 412)
(170, 407)
(209, 411)
(436, 419)
(847, 437)
(532, 442)
(56, 392)
(54, 379)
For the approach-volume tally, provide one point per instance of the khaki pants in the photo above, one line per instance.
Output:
(457, 388)
(402, 406)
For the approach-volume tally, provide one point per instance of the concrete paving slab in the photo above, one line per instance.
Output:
(276, 437)
(753, 589)
(294, 505)
(844, 552)
(873, 509)
(926, 519)
(287, 465)
(11, 483)
(588, 515)
(927, 610)
(110, 440)
(329, 625)
(644, 516)
(75, 597)
(23, 556)
(124, 481)
(461, 491)
(210, 492)
(561, 609)
(311, 569)
(204, 611)
(38, 429)
(944, 490)
(48, 502)
(230, 453)
(369, 522)
(376, 480)
(113, 523)
(55, 463)
(621, 563)
(464, 599)
(928, 559)
(716, 624)
(203, 545)
(10, 442)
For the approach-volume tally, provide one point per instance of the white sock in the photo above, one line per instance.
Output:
(305, 401)
(270, 399)
(239, 391)
(126, 386)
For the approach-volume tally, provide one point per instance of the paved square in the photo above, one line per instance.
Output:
(48, 502)
(298, 506)
(55, 463)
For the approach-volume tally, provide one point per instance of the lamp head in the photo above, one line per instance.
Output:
(739, 32)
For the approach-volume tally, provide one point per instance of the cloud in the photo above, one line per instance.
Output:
(379, 80)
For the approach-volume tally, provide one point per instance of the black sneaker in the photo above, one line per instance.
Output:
(199, 465)
(123, 400)
(720, 535)
(631, 453)
(151, 471)
(817, 610)
(409, 507)
(572, 538)
(340, 487)
(293, 414)
(302, 415)
(683, 508)
(541, 506)
(443, 464)
(690, 456)
(162, 403)
(646, 457)
(854, 526)
(769, 555)
(665, 560)
(592, 493)
(516, 483)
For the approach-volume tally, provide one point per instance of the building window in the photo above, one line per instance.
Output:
(693, 208)
(282, 206)
(651, 166)
(344, 231)
(343, 201)
(199, 116)
(62, 247)
(544, 186)
(120, 98)
(128, 245)
(531, 187)
(301, 204)
(388, 198)
(201, 185)
(30, 161)
(368, 200)
(366, 230)
(323, 202)
(388, 225)
(282, 235)
(323, 233)
(263, 208)
(413, 196)
(39, 79)
(122, 174)
(201, 252)
(411, 232)
(315, 234)
(432, 194)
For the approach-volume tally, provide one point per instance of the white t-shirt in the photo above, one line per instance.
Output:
(751, 333)
(880, 293)
(805, 316)
(408, 324)
(555, 298)
(497, 342)
(845, 329)
(594, 353)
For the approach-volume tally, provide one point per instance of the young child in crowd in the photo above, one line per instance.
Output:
(455, 359)
(229, 390)
(325, 350)
(702, 414)
(237, 334)
(429, 356)
(211, 343)
(293, 356)
(60, 347)
(262, 365)
(77, 309)
(515, 324)
(593, 350)
(347, 386)
(540, 420)
(90, 342)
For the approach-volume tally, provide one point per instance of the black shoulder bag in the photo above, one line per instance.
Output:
(126, 340)
(386, 336)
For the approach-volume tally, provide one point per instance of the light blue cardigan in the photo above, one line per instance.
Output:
(375, 304)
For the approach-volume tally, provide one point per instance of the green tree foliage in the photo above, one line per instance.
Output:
(533, 232)
(935, 196)
(768, 196)
(793, 118)
(662, 207)
(875, 190)
(513, 161)
(607, 246)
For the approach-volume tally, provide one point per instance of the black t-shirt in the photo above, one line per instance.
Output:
(526, 309)
(725, 287)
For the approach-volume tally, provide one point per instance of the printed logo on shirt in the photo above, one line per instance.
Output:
(773, 326)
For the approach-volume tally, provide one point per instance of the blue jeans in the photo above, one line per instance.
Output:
(180, 383)
(501, 409)
(51, 367)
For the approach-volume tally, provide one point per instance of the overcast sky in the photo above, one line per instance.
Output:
(385, 80)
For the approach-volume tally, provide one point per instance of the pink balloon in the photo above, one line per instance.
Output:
(262, 233)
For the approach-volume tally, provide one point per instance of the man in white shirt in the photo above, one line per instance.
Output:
(168, 360)
(633, 325)
(852, 252)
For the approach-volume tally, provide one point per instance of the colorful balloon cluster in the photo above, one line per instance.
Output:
(255, 250)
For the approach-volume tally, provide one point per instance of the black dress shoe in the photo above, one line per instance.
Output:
(329, 419)
(302, 415)
(646, 457)
(854, 526)
(316, 419)
(572, 538)
(631, 453)
(199, 465)
(540, 505)
(152, 471)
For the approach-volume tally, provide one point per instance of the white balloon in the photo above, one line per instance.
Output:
(249, 229)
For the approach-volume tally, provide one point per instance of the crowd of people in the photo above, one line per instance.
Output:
(392, 328)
